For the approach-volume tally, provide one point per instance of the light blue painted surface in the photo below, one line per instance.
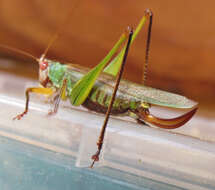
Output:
(25, 167)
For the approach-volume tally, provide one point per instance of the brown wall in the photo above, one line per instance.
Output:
(183, 37)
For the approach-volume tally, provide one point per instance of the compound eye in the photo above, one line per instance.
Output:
(43, 65)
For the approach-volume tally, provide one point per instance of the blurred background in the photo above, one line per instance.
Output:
(182, 46)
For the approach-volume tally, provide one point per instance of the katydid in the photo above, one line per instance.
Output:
(93, 89)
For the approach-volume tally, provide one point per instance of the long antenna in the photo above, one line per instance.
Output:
(60, 29)
(18, 51)
(149, 13)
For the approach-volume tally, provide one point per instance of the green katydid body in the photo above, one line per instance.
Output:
(94, 89)
(130, 95)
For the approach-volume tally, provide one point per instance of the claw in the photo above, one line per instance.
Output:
(166, 123)
(18, 117)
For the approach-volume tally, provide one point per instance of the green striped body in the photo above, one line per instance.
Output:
(129, 95)
(99, 97)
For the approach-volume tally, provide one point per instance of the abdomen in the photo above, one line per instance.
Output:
(100, 97)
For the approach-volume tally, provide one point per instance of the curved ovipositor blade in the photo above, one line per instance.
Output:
(167, 123)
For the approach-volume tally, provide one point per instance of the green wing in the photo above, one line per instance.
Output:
(130, 91)
(160, 97)
(83, 87)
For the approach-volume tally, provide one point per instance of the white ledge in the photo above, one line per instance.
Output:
(175, 159)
